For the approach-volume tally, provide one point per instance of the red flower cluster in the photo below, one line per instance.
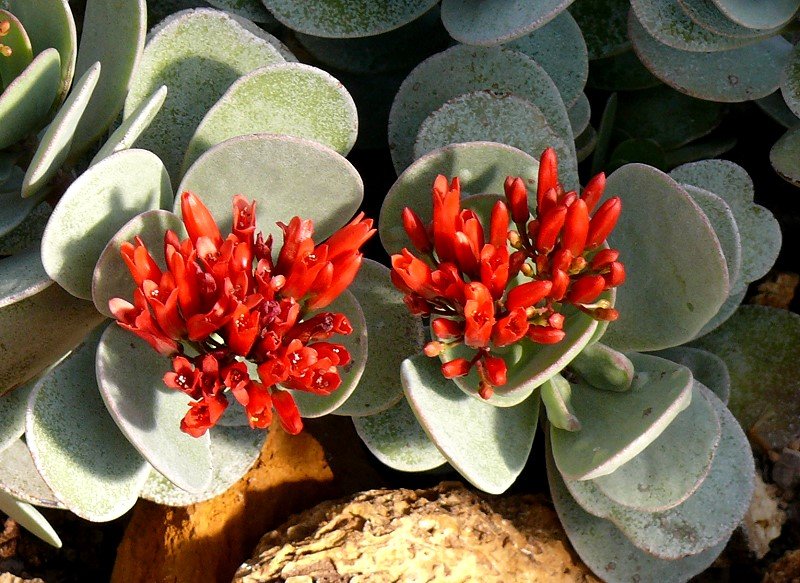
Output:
(227, 301)
(463, 279)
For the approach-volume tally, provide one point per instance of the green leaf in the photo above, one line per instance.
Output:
(670, 469)
(710, 17)
(55, 144)
(707, 368)
(463, 69)
(758, 345)
(603, 368)
(28, 233)
(29, 97)
(637, 150)
(12, 415)
(251, 9)
(604, 24)
(311, 405)
(559, 48)
(76, 446)
(710, 148)
(393, 334)
(111, 277)
(177, 55)
(784, 155)
(616, 427)
(494, 117)
(13, 208)
(705, 518)
(356, 18)
(274, 171)
(622, 72)
(760, 16)
(22, 480)
(725, 312)
(29, 518)
(662, 259)
(130, 374)
(579, 115)
(609, 553)
(775, 106)
(734, 75)
(396, 438)
(94, 208)
(556, 394)
(287, 98)
(113, 34)
(131, 128)
(233, 451)
(604, 134)
(482, 167)
(21, 55)
(28, 300)
(466, 430)
(585, 143)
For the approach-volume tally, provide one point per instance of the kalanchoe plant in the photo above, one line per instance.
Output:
(224, 303)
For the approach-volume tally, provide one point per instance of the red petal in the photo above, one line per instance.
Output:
(198, 219)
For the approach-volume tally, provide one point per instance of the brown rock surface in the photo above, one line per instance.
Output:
(784, 570)
(206, 542)
(443, 534)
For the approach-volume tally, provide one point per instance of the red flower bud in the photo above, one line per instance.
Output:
(528, 294)
(560, 281)
(287, 412)
(594, 191)
(495, 369)
(447, 329)
(549, 228)
(586, 289)
(498, 225)
(545, 334)
(198, 220)
(517, 196)
(576, 228)
(413, 272)
(556, 320)
(511, 328)
(561, 259)
(569, 198)
(478, 315)
(603, 258)
(458, 367)
(548, 175)
(616, 275)
(604, 314)
(433, 349)
(603, 222)
(549, 200)
(415, 230)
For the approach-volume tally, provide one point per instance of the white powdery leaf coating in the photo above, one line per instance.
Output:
(351, 19)
(463, 69)
(197, 54)
(707, 368)
(709, 16)
(492, 22)
(233, 451)
(76, 445)
(784, 155)
(393, 334)
(734, 75)
(396, 438)
(286, 98)
(22, 480)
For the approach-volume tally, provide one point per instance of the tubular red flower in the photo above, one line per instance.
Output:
(545, 334)
(548, 175)
(550, 225)
(198, 219)
(496, 370)
(414, 273)
(594, 191)
(528, 294)
(517, 197)
(287, 412)
(478, 315)
(586, 289)
(446, 207)
(603, 222)
(139, 261)
(447, 329)
(576, 228)
(510, 329)
(458, 367)
(415, 229)
(498, 225)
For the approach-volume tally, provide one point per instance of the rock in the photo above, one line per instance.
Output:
(209, 540)
(784, 570)
(786, 471)
(777, 290)
(445, 533)
(9, 578)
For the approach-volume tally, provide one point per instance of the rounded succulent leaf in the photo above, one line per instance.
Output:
(311, 405)
(608, 552)
(111, 277)
(49, 24)
(707, 368)
(356, 18)
(667, 22)
(463, 69)
(784, 155)
(12, 414)
(758, 16)
(21, 55)
(758, 346)
(28, 233)
(466, 430)
(726, 311)
(671, 468)
(494, 117)
(287, 98)
(585, 143)
(251, 9)
(57, 139)
(28, 300)
(29, 518)
(233, 451)
(492, 22)
(274, 170)
(130, 374)
(734, 75)
(113, 35)
(177, 55)
(396, 438)
(676, 270)
(709, 16)
(29, 97)
(76, 446)
(94, 208)
(579, 115)
(618, 426)
(13, 208)
(21, 479)
(759, 230)
(774, 105)
(480, 166)
(131, 128)
(621, 72)
(705, 518)
(393, 334)
(790, 84)
(604, 25)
